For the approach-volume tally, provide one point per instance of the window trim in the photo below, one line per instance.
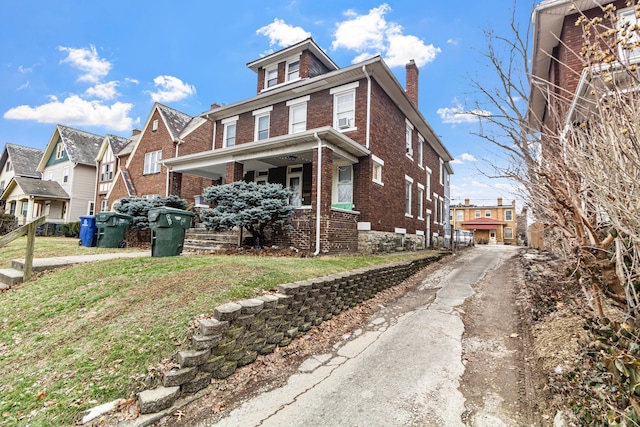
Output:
(267, 79)
(226, 123)
(428, 183)
(104, 205)
(289, 62)
(624, 15)
(441, 170)
(408, 196)
(154, 125)
(420, 201)
(487, 213)
(109, 171)
(377, 163)
(420, 151)
(510, 214)
(60, 151)
(335, 199)
(258, 114)
(294, 104)
(408, 138)
(147, 170)
(337, 92)
(65, 174)
(504, 233)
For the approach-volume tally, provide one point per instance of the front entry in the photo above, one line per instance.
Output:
(294, 184)
(492, 237)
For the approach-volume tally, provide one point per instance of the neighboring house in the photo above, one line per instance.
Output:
(28, 198)
(492, 224)
(167, 133)
(70, 160)
(17, 160)
(362, 165)
(111, 154)
(557, 68)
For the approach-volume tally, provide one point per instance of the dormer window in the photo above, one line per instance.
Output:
(271, 77)
(60, 151)
(293, 70)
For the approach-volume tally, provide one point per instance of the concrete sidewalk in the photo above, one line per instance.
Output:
(15, 274)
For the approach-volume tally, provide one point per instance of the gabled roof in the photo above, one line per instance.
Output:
(24, 159)
(175, 121)
(40, 188)
(296, 49)
(116, 143)
(81, 147)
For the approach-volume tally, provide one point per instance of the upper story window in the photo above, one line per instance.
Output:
(271, 77)
(408, 138)
(106, 172)
(293, 70)
(154, 126)
(9, 166)
(298, 114)
(420, 200)
(65, 174)
(477, 214)
(408, 184)
(229, 132)
(441, 171)
(420, 150)
(59, 151)
(459, 215)
(487, 213)
(508, 215)
(152, 162)
(378, 163)
(627, 34)
(428, 186)
(262, 123)
(344, 106)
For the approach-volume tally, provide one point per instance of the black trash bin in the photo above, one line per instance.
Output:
(111, 227)
(88, 230)
(168, 227)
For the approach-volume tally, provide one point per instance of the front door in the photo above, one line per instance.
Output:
(492, 237)
(294, 184)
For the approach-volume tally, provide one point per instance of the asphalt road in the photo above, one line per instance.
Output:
(403, 369)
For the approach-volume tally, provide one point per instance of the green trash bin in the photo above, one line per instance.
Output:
(168, 227)
(110, 229)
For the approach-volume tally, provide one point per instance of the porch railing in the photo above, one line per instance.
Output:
(30, 231)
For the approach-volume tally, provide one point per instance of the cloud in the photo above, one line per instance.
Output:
(457, 114)
(78, 112)
(130, 80)
(24, 85)
(282, 34)
(454, 42)
(25, 69)
(479, 184)
(456, 162)
(171, 89)
(370, 33)
(104, 91)
(87, 60)
(468, 157)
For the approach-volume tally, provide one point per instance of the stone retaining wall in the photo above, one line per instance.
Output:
(239, 332)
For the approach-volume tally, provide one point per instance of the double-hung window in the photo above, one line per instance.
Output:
(408, 184)
(441, 171)
(65, 174)
(59, 151)
(344, 106)
(345, 186)
(298, 114)
(293, 70)
(229, 132)
(106, 172)
(627, 34)
(508, 215)
(378, 163)
(408, 137)
(271, 77)
(262, 119)
(420, 150)
(428, 186)
(152, 162)
(420, 200)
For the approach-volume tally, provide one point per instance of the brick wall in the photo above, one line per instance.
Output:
(238, 332)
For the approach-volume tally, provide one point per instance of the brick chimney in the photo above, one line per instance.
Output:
(466, 202)
(499, 201)
(412, 82)
(135, 132)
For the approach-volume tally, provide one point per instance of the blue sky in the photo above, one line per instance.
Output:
(99, 66)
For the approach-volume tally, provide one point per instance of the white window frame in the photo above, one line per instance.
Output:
(487, 213)
(106, 172)
(510, 233)
(349, 113)
(294, 105)
(420, 151)
(337, 183)
(154, 125)
(441, 171)
(104, 205)
(435, 208)
(508, 215)
(65, 174)
(627, 18)
(261, 176)
(152, 162)
(91, 205)
(290, 62)
(420, 201)
(50, 176)
(408, 138)
(460, 215)
(9, 166)
(258, 115)
(228, 123)
(477, 214)
(376, 174)
(59, 151)
(428, 182)
(408, 187)
(267, 72)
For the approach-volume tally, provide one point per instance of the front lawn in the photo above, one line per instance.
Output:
(88, 334)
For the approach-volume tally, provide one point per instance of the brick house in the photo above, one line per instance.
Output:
(139, 172)
(363, 167)
(556, 68)
(491, 224)
(113, 151)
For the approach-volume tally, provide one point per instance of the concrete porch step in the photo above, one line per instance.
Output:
(10, 277)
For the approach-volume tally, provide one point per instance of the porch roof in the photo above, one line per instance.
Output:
(279, 151)
(482, 224)
(37, 188)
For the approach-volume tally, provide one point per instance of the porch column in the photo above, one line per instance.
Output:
(30, 206)
(325, 191)
(235, 172)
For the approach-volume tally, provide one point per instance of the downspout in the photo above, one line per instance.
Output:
(318, 193)
(364, 70)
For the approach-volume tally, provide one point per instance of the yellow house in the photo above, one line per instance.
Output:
(493, 224)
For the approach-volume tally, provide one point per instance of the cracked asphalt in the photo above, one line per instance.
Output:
(403, 368)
